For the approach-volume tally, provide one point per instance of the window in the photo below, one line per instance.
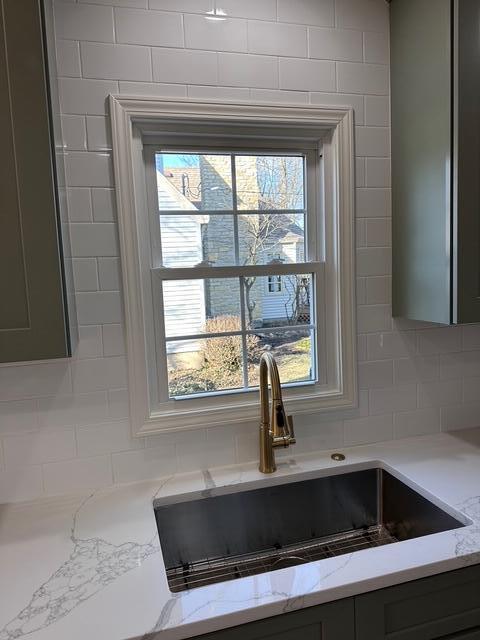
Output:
(274, 284)
(238, 217)
(236, 237)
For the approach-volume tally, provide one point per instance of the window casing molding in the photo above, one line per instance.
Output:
(136, 122)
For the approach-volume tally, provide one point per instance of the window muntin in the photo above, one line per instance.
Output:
(208, 321)
(274, 284)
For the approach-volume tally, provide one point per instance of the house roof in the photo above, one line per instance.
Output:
(186, 180)
(169, 198)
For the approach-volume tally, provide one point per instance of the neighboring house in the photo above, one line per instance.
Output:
(188, 240)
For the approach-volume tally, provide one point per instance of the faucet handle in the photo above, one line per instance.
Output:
(290, 429)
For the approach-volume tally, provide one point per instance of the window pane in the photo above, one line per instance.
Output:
(201, 306)
(292, 351)
(269, 182)
(271, 237)
(194, 182)
(188, 241)
(289, 303)
(204, 365)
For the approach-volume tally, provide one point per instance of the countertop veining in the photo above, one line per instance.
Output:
(90, 565)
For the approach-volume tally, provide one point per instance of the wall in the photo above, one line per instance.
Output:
(63, 425)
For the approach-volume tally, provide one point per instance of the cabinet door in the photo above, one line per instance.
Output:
(446, 606)
(421, 159)
(466, 247)
(32, 313)
(333, 621)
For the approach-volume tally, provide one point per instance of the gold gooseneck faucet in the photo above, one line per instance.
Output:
(277, 430)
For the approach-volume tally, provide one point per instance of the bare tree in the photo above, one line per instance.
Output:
(280, 188)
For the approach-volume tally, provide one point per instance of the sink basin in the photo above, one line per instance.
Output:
(224, 537)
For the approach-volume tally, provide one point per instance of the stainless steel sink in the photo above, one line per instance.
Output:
(224, 537)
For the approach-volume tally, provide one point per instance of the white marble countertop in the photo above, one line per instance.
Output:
(90, 566)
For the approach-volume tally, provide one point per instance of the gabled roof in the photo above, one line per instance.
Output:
(171, 199)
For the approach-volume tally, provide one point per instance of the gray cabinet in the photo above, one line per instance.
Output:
(446, 606)
(33, 323)
(435, 81)
(443, 607)
(333, 621)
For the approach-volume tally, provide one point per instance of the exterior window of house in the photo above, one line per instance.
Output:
(241, 217)
(236, 225)
(274, 284)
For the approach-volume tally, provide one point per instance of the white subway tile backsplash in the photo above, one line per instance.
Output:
(373, 203)
(360, 172)
(375, 374)
(392, 399)
(373, 261)
(379, 290)
(372, 141)
(68, 58)
(218, 93)
(113, 340)
(378, 172)
(81, 96)
(356, 77)
(154, 28)
(377, 111)
(99, 374)
(115, 61)
(185, 66)
(88, 169)
(74, 475)
(76, 21)
(441, 340)
(279, 95)
(456, 365)
(307, 75)
(18, 417)
(96, 239)
(98, 133)
(70, 410)
(189, 6)
(74, 133)
(416, 369)
(239, 70)
(109, 273)
(98, 307)
(335, 44)
(365, 430)
(365, 15)
(37, 448)
(312, 12)
(157, 89)
(22, 483)
(471, 337)
(419, 422)
(34, 380)
(216, 35)
(89, 342)
(379, 232)
(277, 39)
(439, 393)
(103, 204)
(376, 47)
(106, 438)
(118, 405)
(79, 204)
(264, 10)
(144, 464)
(391, 345)
(464, 416)
(373, 318)
(85, 274)
(140, 4)
(471, 389)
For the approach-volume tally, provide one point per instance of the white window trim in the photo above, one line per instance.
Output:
(334, 126)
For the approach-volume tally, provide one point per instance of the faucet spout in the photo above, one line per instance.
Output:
(276, 428)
